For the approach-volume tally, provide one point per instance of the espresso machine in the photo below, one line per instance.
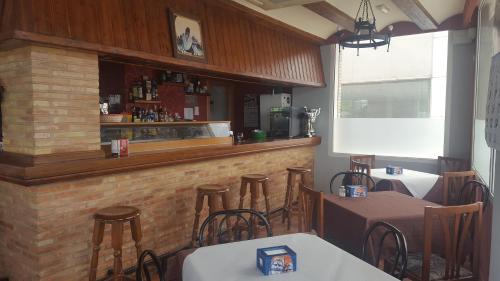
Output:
(284, 122)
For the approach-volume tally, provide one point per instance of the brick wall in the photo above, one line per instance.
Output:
(17, 105)
(51, 100)
(48, 228)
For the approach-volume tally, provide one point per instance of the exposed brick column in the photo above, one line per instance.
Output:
(51, 100)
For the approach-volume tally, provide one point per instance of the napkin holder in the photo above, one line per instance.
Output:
(393, 170)
(356, 191)
(276, 260)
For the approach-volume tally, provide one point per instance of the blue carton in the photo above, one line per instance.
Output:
(393, 170)
(356, 191)
(276, 260)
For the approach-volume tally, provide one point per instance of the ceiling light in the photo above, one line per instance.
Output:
(383, 8)
(365, 30)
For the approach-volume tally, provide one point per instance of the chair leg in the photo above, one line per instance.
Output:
(253, 206)
(226, 206)
(243, 192)
(286, 206)
(135, 228)
(97, 238)
(116, 243)
(198, 208)
(291, 200)
(265, 189)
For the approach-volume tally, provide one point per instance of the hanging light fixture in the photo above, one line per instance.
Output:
(365, 31)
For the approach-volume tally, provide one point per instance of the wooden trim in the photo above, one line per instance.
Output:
(25, 160)
(195, 67)
(69, 170)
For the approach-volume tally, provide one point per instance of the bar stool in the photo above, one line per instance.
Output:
(211, 191)
(254, 180)
(117, 217)
(291, 204)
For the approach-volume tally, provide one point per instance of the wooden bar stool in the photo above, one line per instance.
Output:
(253, 180)
(291, 203)
(117, 217)
(211, 191)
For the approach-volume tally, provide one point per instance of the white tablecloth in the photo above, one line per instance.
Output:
(317, 260)
(417, 183)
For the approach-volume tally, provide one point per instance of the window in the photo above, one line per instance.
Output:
(393, 103)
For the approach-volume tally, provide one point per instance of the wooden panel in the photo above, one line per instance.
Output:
(236, 42)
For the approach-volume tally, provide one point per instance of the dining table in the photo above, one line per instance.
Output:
(418, 184)
(317, 260)
(347, 219)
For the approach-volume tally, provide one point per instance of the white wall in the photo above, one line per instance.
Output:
(327, 163)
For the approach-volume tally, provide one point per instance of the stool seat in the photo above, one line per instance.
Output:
(299, 170)
(116, 213)
(255, 177)
(212, 188)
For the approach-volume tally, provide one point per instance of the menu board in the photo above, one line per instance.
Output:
(492, 126)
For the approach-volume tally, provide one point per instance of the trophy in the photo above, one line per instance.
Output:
(310, 116)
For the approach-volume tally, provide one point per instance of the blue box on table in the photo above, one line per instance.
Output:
(356, 191)
(393, 170)
(276, 260)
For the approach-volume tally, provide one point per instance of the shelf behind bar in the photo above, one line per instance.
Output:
(122, 124)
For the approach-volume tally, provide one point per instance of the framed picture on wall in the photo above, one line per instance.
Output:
(187, 37)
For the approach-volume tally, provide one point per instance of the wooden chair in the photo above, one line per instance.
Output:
(383, 185)
(474, 191)
(351, 178)
(364, 159)
(452, 185)
(376, 235)
(457, 223)
(360, 167)
(143, 266)
(225, 232)
(310, 207)
(450, 164)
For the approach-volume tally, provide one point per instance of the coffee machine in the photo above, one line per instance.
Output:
(284, 122)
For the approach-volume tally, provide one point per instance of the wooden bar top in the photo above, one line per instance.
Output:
(27, 174)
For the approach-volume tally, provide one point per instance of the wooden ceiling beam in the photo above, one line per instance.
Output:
(332, 13)
(470, 8)
(417, 13)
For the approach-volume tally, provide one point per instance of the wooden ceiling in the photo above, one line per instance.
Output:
(326, 18)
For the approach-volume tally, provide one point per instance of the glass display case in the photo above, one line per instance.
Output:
(164, 131)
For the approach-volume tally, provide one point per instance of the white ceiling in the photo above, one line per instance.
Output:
(308, 21)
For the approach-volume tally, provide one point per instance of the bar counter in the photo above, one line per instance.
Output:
(47, 208)
(27, 174)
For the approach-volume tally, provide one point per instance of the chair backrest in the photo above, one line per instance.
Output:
(452, 185)
(364, 159)
(377, 235)
(450, 164)
(474, 191)
(383, 185)
(142, 269)
(230, 225)
(360, 167)
(310, 210)
(351, 178)
(457, 225)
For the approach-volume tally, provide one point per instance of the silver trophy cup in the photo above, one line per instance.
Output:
(310, 116)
